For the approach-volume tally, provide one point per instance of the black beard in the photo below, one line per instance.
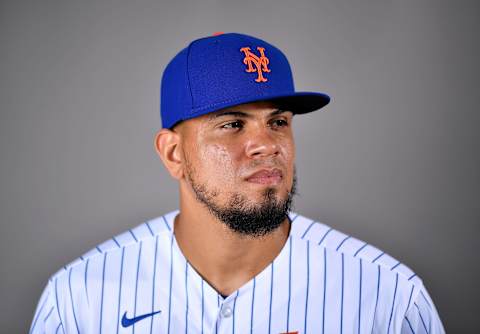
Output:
(244, 219)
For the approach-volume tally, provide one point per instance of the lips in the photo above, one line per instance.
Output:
(266, 176)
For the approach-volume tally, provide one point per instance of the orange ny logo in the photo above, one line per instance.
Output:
(259, 62)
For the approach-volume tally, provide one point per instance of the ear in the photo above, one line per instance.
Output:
(168, 147)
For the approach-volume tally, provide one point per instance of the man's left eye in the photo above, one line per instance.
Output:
(279, 123)
(233, 125)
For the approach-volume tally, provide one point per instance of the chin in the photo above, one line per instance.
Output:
(280, 194)
(258, 192)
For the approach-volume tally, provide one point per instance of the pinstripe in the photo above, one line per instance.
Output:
(341, 302)
(412, 276)
(234, 303)
(289, 282)
(86, 276)
(376, 301)
(308, 229)
(381, 254)
(425, 298)
(103, 286)
(186, 297)
(343, 241)
(40, 311)
(98, 249)
(393, 303)
(203, 305)
(120, 288)
(308, 286)
(271, 296)
(58, 327)
(149, 228)
(410, 298)
(360, 249)
(133, 235)
(395, 266)
(360, 299)
(170, 288)
(136, 283)
(56, 301)
(325, 235)
(421, 318)
(48, 315)
(166, 223)
(118, 244)
(324, 287)
(71, 298)
(409, 325)
(154, 281)
(251, 310)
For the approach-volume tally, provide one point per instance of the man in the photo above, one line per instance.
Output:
(234, 258)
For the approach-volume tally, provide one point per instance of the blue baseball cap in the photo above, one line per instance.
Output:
(225, 70)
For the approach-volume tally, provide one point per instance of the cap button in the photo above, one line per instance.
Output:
(218, 33)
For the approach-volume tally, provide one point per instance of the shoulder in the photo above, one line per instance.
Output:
(396, 277)
(80, 284)
(395, 282)
(322, 235)
(145, 232)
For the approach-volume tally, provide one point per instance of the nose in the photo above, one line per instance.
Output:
(262, 143)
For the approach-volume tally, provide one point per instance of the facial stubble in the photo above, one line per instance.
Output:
(239, 214)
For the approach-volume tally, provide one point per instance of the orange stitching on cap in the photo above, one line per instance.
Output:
(259, 62)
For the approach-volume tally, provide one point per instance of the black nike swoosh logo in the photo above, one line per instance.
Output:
(128, 322)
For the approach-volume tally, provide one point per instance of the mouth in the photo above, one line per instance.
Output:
(266, 177)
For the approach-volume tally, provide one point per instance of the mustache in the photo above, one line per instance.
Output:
(268, 164)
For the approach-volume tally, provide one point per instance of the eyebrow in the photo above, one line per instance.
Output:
(242, 114)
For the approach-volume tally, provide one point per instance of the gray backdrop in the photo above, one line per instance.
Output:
(393, 161)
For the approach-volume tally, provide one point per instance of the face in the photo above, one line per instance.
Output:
(239, 162)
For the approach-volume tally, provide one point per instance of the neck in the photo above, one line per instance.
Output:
(225, 259)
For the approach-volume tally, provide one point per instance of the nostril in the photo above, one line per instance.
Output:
(263, 151)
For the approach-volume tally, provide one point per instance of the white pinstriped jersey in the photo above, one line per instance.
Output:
(323, 281)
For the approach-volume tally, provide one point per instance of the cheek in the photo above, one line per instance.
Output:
(288, 151)
(290, 148)
(218, 162)
(289, 154)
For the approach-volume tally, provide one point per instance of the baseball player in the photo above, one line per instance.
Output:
(234, 258)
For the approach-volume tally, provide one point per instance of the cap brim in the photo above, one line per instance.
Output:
(301, 102)
(296, 102)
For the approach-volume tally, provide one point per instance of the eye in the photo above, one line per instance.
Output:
(233, 125)
(279, 123)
